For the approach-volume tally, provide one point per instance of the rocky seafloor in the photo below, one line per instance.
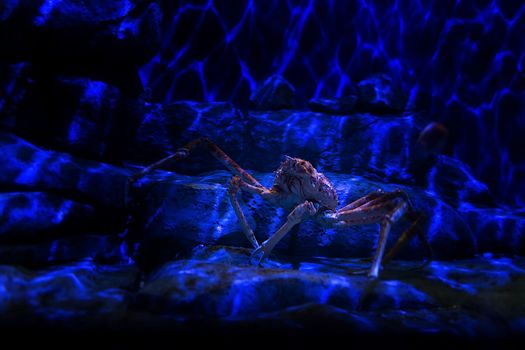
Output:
(79, 257)
(216, 293)
(83, 253)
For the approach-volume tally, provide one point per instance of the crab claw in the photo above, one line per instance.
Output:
(259, 254)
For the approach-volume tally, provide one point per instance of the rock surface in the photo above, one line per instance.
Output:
(453, 181)
(497, 230)
(67, 291)
(69, 82)
(85, 117)
(275, 93)
(219, 282)
(361, 144)
(100, 123)
(15, 82)
(355, 143)
(215, 289)
(164, 211)
(379, 94)
(96, 38)
(341, 105)
(257, 140)
(165, 128)
(31, 168)
(180, 212)
(101, 248)
(29, 216)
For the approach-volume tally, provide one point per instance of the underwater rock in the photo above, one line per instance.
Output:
(219, 288)
(100, 248)
(180, 212)
(68, 14)
(27, 167)
(497, 230)
(218, 281)
(108, 39)
(67, 292)
(379, 94)
(275, 93)
(366, 144)
(165, 128)
(82, 116)
(358, 143)
(89, 108)
(15, 81)
(257, 140)
(340, 105)
(95, 120)
(215, 288)
(454, 182)
(26, 216)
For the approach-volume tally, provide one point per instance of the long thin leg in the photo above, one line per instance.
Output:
(402, 240)
(371, 208)
(237, 184)
(184, 152)
(382, 198)
(407, 236)
(385, 209)
(385, 226)
(298, 214)
(359, 202)
(180, 154)
(233, 190)
(384, 229)
(358, 216)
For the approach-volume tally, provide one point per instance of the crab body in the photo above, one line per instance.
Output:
(296, 180)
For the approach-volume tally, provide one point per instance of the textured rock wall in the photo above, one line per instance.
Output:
(59, 196)
(86, 100)
(460, 62)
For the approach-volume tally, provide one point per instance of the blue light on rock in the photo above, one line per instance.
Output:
(426, 98)
(460, 61)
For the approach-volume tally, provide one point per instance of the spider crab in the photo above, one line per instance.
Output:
(307, 194)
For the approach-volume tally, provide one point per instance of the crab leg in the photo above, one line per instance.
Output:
(298, 214)
(359, 216)
(211, 147)
(237, 184)
(378, 209)
(385, 198)
(405, 237)
(184, 152)
(359, 202)
(233, 190)
(385, 225)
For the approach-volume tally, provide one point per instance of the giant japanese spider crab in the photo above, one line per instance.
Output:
(308, 194)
